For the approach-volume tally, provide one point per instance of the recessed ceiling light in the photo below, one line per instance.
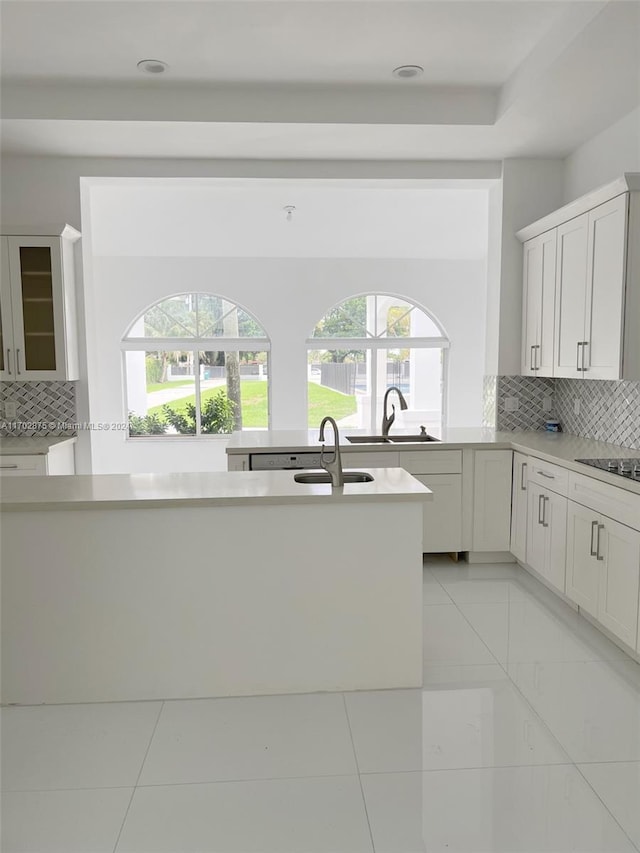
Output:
(152, 66)
(405, 72)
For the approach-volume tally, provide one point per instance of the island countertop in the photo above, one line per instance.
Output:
(128, 491)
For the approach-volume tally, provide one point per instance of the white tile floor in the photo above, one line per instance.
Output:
(524, 737)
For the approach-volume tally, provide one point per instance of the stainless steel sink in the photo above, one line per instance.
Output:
(390, 439)
(312, 477)
(367, 439)
(411, 438)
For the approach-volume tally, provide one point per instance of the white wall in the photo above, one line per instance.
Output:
(287, 296)
(604, 158)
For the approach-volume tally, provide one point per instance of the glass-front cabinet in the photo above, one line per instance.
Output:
(38, 307)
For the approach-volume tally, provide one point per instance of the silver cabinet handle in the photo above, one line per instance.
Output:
(593, 552)
(584, 344)
(532, 357)
(8, 466)
(538, 356)
(17, 361)
(548, 476)
(541, 509)
(579, 344)
(523, 482)
(598, 556)
(8, 361)
(545, 523)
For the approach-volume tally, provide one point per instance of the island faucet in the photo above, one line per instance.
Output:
(332, 466)
(387, 420)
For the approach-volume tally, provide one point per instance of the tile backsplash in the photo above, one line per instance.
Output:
(606, 411)
(42, 408)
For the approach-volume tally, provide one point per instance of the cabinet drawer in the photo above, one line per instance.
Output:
(432, 461)
(550, 476)
(28, 465)
(370, 459)
(617, 504)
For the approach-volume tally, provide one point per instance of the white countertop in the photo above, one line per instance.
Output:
(124, 491)
(561, 448)
(27, 445)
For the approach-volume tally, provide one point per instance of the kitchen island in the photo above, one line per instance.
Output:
(146, 586)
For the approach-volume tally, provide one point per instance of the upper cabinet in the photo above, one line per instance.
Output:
(37, 308)
(581, 288)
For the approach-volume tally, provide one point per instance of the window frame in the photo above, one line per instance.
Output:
(194, 345)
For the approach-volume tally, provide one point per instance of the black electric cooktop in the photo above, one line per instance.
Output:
(629, 468)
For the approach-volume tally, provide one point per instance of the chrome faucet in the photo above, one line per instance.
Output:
(332, 466)
(387, 420)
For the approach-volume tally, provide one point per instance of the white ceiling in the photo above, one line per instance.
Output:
(226, 219)
(311, 79)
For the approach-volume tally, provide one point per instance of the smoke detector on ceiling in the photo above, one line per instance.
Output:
(152, 66)
(406, 72)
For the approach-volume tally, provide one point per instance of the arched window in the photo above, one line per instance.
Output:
(365, 345)
(195, 364)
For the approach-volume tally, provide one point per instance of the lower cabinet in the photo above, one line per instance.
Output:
(492, 477)
(603, 570)
(519, 507)
(547, 534)
(442, 523)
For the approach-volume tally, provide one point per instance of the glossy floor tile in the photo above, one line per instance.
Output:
(524, 809)
(75, 746)
(618, 786)
(524, 738)
(265, 737)
(521, 631)
(323, 815)
(450, 640)
(81, 821)
(592, 708)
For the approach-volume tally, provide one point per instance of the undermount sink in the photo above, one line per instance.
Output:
(389, 439)
(367, 439)
(313, 477)
(412, 438)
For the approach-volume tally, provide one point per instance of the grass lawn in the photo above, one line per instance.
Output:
(322, 401)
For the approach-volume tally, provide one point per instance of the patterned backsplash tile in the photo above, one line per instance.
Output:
(42, 408)
(608, 411)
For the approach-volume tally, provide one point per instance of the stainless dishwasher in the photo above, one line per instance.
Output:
(284, 461)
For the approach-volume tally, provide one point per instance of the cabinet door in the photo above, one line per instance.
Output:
(536, 532)
(606, 289)
(7, 353)
(519, 507)
(571, 279)
(583, 568)
(618, 549)
(531, 302)
(546, 331)
(555, 517)
(35, 267)
(442, 524)
(492, 472)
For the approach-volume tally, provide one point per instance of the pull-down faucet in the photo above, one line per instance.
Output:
(332, 466)
(387, 420)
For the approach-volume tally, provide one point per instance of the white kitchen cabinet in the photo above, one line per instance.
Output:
(596, 312)
(605, 289)
(539, 281)
(519, 507)
(37, 305)
(571, 281)
(603, 570)
(58, 460)
(547, 534)
(492, 478)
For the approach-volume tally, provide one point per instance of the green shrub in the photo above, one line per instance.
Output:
(154, 370)
(146, 425)
(216, 416)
